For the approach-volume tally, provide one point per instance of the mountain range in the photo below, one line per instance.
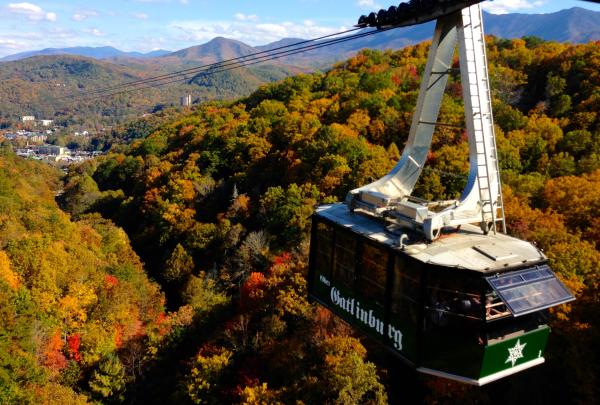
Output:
(52, 85)
(100, 52)
(576, 25)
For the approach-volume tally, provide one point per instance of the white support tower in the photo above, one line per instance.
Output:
(481, 201)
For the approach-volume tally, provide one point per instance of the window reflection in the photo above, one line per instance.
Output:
(524, 292)
(454, 305)
(324, 248)
(405, 292)
(373, 273)
(344, 259)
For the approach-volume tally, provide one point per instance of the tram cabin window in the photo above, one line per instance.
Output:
(406, 290)
(405, 305)
(344, 259)
(373, 273)
(406, 281)
(495, 308)
(507, 327)
(324, 248)
(453, 314)
(453, 300)
(529, 290)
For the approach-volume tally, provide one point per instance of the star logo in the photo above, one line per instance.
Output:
(515, 353)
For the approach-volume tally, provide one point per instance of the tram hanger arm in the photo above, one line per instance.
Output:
(416, 12)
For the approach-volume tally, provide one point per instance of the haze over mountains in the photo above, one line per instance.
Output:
(577, 25)
(101, 52)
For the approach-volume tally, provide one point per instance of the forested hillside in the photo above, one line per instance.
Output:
(79, 317)
(217, 203)
(63, 88)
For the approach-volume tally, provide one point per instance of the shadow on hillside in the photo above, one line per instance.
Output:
(163, 379)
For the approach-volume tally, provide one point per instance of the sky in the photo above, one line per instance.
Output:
(146, 25)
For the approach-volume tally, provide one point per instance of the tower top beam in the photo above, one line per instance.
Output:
(413, 12)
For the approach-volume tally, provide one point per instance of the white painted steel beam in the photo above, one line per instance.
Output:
(481, 200)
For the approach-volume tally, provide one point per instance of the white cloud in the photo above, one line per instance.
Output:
(510, 6)
(31, 11)
(184, 1)
(95, 32)
(245, 17)
(140, 16)
(248, 32)
(82, 15)
(9, 43)
(150, 43)
(368, 4)
(50, 36)
(58, 34)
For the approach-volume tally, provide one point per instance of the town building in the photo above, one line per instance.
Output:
(37, 138)
(52, 150)
(186, 100)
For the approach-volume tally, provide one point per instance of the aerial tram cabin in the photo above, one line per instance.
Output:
(468, 306)
(439, 283)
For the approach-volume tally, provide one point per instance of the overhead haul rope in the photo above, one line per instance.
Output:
(215, 64)
(223, 66)
(235, 62)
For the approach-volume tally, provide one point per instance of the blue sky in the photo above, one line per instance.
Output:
(145, 25)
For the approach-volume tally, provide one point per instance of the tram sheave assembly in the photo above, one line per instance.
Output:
(438, 283)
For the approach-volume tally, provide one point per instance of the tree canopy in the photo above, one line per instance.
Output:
(216, 203)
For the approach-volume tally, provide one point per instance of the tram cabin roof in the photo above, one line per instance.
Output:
(467, 248)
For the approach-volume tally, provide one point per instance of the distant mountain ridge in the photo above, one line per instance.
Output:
(215, 50)
(101, 52)
(577, 25)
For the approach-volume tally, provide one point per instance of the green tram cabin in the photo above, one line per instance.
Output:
(468, 306)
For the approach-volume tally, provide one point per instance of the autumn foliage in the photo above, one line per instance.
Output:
(217, 204)
(66, 288)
